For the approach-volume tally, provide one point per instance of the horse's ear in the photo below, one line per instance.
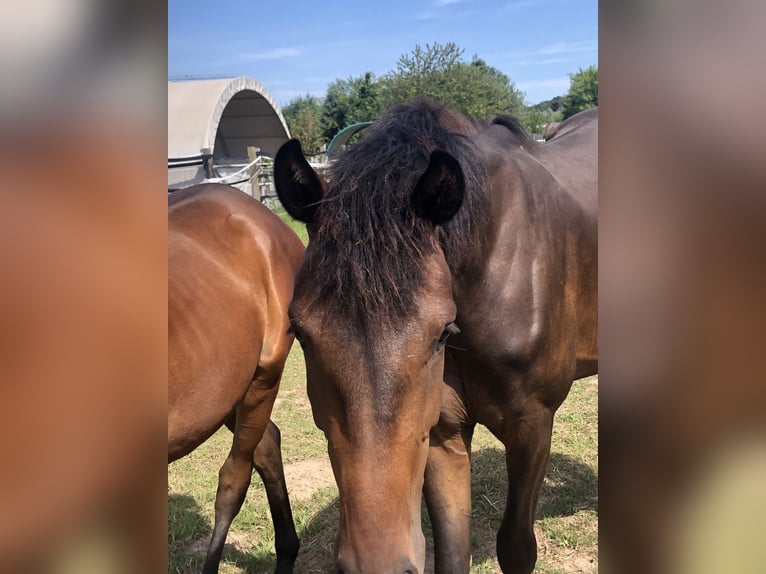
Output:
(439, 193)
(298, 186)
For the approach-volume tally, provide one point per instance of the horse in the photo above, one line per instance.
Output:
(231, 265)
(435, 228)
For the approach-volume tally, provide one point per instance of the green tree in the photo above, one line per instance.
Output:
(350, 101)
(438, 72)
(552, 105)
(537, 118)
(583, 92)
(534, 121)
(304, 118)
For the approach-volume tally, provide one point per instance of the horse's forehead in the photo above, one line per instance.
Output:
(317, 300)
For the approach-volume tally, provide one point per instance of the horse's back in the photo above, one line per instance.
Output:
(220, 238)
(213, 209)
(544, 206)
(571, 155)
(231, 264)
(573, 123)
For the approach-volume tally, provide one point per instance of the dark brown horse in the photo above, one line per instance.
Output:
(231, 265)
(434, 227)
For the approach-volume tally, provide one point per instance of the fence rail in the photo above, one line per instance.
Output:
(257, 175)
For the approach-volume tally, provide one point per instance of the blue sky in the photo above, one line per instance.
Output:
(297, 47)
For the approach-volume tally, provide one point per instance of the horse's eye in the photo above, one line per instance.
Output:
(449, 329)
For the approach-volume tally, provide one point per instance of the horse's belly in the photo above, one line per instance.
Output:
(586, 367)
(210, 367)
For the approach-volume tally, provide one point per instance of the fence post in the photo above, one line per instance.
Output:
(255, 187)
(207, 161)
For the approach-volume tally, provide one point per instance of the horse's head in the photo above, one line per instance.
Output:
(372, 310)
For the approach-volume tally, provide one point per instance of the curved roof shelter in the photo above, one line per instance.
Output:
(341, 138)
(225, 116)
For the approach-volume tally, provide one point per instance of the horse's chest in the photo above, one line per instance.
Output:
(511, 320)
(514, 348)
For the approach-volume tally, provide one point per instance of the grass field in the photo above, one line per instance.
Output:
(567, 525)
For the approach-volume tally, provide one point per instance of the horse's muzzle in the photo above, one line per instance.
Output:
(403, 566)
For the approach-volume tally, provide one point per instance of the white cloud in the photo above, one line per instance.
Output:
(567, 48)
(440, 3)
(551, 52)
(515, 5)
(554, 61)
(275, 54)
(534, 62)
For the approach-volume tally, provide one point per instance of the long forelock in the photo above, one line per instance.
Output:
(368, 243)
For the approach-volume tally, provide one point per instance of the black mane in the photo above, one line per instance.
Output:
(515, 127)
(367, 244)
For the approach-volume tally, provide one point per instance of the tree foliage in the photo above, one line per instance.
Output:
(538, 117)
(583, 92)
(438, 72)
(350, 101)
(536, 121)
(304, 118)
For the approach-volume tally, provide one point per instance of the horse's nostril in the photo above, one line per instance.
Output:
(342, 567)
(408, 567)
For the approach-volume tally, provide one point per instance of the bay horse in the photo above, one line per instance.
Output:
(433, 226)
(231, 265)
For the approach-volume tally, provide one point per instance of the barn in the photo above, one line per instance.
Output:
(223, 129)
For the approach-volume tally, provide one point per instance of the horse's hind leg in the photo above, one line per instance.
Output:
(268, 463)
(267, 459)
(528, 442)
(233, 482)
(252, 417)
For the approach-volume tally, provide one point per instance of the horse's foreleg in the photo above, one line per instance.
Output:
(447, 488)
(268, 462)
(528, 442)
(252, 417)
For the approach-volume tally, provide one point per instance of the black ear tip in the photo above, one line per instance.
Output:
(290, 146)
(441, 155)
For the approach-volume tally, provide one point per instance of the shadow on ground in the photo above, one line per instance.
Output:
(188, 538)
(570, 487)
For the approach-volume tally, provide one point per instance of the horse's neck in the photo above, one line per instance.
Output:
(526, 208)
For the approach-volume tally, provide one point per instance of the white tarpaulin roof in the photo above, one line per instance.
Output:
(225, 116)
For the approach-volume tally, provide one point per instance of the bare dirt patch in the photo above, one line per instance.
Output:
(305, 477)
(580, 561)
(234, 540)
